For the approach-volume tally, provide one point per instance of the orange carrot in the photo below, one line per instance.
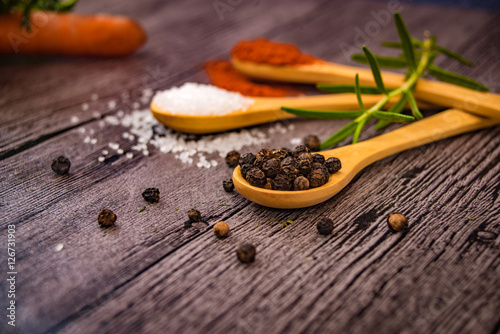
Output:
(71, 34)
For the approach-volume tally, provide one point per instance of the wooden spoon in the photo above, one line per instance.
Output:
(262, 111)
(435, 92)
(356, 157)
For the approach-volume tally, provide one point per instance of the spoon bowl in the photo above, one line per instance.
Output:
(357, 156)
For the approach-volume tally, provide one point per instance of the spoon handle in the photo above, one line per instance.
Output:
(445, 124)
(439, 93)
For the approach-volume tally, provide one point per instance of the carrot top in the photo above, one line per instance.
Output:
(26, 6)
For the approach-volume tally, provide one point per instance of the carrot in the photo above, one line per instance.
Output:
(70, 34)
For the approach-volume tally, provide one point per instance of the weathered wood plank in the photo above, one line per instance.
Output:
(442, 276)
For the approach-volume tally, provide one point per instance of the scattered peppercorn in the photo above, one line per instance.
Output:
(61, 165)
(325, 226)
(221, 229)
(333, 165)
(246, 253)
(301, 183)
(232, 158)
(246, 158)
(106, 218)
(228, 185)
(151, 195)
(319, 158)
(271, 167)
(299, 150)
(244, 169)
(256, 177)
(397, 222)
(312, 142)
(194, 215)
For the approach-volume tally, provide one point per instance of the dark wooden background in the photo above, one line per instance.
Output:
(151, 275)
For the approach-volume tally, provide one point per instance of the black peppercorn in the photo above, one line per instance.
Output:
(246, 253)
(280, 154)
(194, 215)
(397, 222)
(299, 150)
(244, 170)
(106, 218)
(259, 161)
(228, 185)
(316, 178)
(301, 183)
(61, 165)
(151, 195)
(318, 166)
(281, 182)
(246, 158)
(325, 226)
(304, 163)
(333, 165)
(232, 158)
(264, 153)
(288, 151)
(289, 168)
(319, 158)
(256, 177)
(312, 142)
(271, 167)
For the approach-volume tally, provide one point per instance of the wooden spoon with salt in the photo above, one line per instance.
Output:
(264, 109)
(435, 92)
(357, 156)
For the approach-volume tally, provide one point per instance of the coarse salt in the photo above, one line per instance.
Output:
(198, 99)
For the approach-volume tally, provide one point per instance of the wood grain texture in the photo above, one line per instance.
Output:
(149, 274)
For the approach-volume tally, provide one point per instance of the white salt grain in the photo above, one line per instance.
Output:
(112, 105)
(105, 152)
(197, 99)
(93, 141)
(129, 155)
(119, 151)
(86, 140)
(296, 141)
(101, 159)
(59, 247)
(94, 97)
(85, 106)
(74, 119)
(96, 114)
(114, 146)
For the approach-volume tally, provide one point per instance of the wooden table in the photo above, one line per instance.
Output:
(150, 274)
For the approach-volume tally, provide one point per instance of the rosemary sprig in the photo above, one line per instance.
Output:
(27, 6)
(418, 56)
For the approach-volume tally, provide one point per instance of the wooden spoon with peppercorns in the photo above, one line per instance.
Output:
(355, 157)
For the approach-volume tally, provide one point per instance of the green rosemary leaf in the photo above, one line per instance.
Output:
(377, 76)
(397, 45)
(406, 41)
(358, 93)
(328, 88)
(393, 117)
(324, 114)
(453, 55)
(383, 61)
(455, 78)
(340, 135)
(396, 108)
(413, 105)
(357, 132)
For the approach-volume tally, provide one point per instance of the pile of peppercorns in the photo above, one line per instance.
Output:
(283, 169)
